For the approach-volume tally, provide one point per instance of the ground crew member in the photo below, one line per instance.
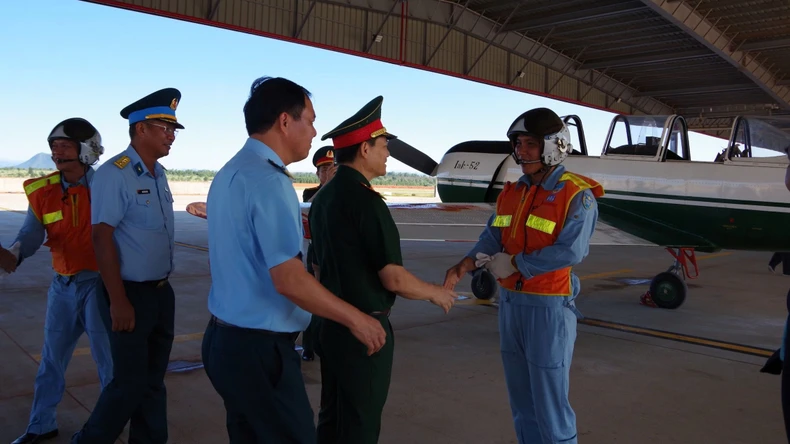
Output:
(59, 205)
(357, 249)
(324, 163)
(133, 237)
(542, 228)
(261, 295)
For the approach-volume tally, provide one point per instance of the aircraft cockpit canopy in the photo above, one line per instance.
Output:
(757, 136)
(642, 136)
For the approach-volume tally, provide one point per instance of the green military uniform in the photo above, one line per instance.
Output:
(324, 155)
(354, 237)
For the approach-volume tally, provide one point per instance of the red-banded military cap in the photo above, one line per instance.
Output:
(364, 125)
(325, 154)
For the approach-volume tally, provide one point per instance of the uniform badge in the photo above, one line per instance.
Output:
(174, 104)
(558, 188)
(143, 191)
(587, 201)
(122, 162)
(551, 198)
(138, 168)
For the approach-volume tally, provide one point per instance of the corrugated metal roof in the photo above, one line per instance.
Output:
(709, 60)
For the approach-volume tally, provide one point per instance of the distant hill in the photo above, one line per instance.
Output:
(39, 161)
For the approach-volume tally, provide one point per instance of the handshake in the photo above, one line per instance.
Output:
(8, 260)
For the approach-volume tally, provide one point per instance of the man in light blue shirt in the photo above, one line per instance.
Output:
(133, 237)
(261, 294)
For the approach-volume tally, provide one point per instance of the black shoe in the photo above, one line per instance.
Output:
(32, 438)
(308, 356)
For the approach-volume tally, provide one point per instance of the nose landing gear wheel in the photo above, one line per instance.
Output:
(668, 290)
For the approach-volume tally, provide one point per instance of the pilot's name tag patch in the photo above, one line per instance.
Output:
(146, 191)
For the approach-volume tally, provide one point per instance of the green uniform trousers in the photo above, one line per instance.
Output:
(354, 386)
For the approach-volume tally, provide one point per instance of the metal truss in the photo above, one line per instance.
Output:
(459, 18)
(698, 27)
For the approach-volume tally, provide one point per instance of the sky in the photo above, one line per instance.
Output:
(67, 58)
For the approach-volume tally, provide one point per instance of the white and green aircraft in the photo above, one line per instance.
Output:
(655, 194)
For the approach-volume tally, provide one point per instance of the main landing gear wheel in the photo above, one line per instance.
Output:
(669, 289)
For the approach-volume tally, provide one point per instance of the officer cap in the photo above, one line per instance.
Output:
(159, 105)
(325, 154)
(364, 125)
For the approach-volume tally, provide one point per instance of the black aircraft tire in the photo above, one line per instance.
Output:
(484, 284)
(668, 290)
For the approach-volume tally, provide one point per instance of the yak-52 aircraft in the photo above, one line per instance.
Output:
(655, 194)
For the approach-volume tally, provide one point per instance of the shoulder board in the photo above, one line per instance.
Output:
(122, 162)
(373, 191)
(281, 168)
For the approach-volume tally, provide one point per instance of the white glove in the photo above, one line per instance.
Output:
(482, 259)
(500, 265)
(15, 251)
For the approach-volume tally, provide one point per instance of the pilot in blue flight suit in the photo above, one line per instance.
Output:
(541, 229)
(133, 237)
(60, 209)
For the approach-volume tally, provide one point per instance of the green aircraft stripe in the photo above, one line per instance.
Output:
(700, 199)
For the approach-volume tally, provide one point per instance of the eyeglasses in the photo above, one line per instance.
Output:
(167, 130)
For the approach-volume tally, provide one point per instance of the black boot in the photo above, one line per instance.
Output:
(32, 438)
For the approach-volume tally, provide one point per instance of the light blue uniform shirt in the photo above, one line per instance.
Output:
(31, 235)
(140, 207)
(573, 242)
(254, 224)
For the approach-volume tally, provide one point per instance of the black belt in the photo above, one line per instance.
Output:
(380, 314)
(159, 283)
(291, 336)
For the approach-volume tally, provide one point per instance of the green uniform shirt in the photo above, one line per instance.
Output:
(306, 195)
(354, 237)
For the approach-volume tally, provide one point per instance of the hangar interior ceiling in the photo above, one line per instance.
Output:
(708, 60)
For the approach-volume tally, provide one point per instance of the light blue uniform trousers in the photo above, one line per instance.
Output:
(72, 308)
(537, 335)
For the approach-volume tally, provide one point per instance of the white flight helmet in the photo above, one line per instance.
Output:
(547, 126)
(82, 132)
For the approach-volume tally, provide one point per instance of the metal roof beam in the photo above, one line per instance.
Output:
(662, 57)
(586, 30)
(573, 17)
(703, 31)
(763, 45)
(697, 90)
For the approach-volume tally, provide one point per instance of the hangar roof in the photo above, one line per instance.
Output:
(708, 60)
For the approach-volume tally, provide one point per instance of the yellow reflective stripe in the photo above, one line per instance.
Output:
(30, 188)
(541, 224)
(52, 217)
(502, 221)
(578, 181)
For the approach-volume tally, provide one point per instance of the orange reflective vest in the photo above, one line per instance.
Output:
(540, 226)
(66, 217)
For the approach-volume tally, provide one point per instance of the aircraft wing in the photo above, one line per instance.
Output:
(454, 222)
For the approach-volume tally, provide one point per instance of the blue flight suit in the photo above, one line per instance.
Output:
(248, 351)
(537, 333)
(140, 207)
(72, 308)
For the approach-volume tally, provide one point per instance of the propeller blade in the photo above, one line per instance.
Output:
(412, 157)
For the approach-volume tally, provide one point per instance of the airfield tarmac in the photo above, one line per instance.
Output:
(639, 374)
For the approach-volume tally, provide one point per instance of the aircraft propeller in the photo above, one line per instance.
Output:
(412, 157)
